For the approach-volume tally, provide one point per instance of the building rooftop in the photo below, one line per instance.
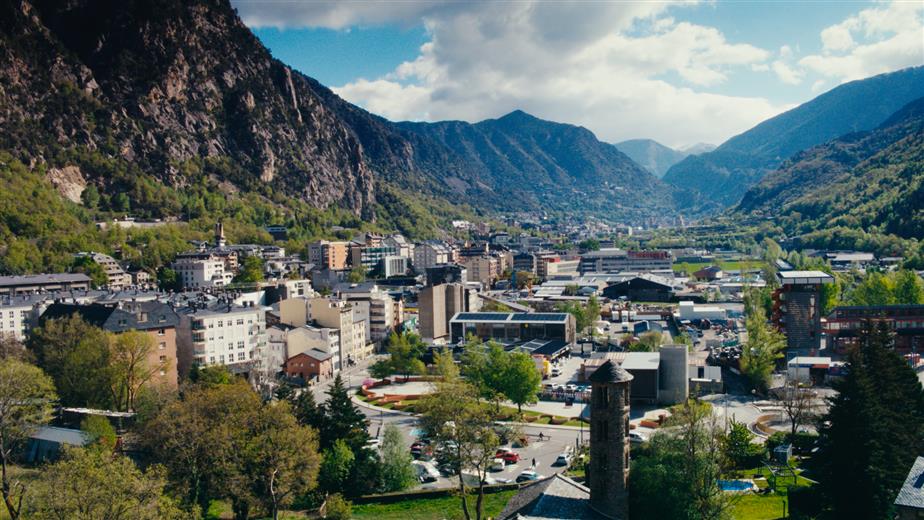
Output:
(32, 279)
(912, 491)
(555, 497)
(804, 277)
(642, 361)
(610, 372)
(511, 317)
(809, 360)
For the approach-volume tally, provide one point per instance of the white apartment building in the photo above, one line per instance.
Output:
(231, 336)
(201, 270)
(339, 314)
(16, 315)
(403, 247)
(382, 312)
(116, 277)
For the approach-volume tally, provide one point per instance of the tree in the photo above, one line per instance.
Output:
(281, 459)
(336, 466)
(357, 274)
(100, 431)
(251, 270)
(90, 197)
(397, 471)
(676, 475)
(337, 508)
(94, 484)
(484, 366)
(445, 364)
(648, 342)
(86, 265)
(455, 417)
(524, 279)
(740, 450)
(798, 404)
(305, 409)
(342, 419)
(167, 279)
(909, 290)
(875, 289)
(130, 354)
(26, 396)
(763, 347)
(873, 430)
(404, 350)
(521, 379)
(591, 244)
(76, 356)
(212, 375)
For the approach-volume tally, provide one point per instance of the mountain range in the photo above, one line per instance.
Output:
(181, 90)
(713, 181)
(654, 156)
(873, 181)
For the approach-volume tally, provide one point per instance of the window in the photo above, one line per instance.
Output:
(240, 321)
(163, 359)
(221, 323)
(162, 345)
(222, 358)
(161, 332)
(240, 344)
(240, 356)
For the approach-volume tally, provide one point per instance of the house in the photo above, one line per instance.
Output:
(156, 319)
(713, 272)
(312, 365)
(909, 504)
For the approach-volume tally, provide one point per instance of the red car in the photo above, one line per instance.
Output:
(509, 457)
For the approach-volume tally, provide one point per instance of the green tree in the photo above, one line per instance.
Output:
(88, 266)
(26, 396)
(456, 417)
(763, 347)
(251, 270)
(397, 471)
(357, 274)
(404, 353)
(739, 447)
(76, 355)
(342, 419)
(90, 197)
(873, 430)
(337, 508)
(100, 431)
(336, 466)
(521, 379)
(281, 459)
(591, 244)
(306, 410)
(445, 364)
(524, 279)
(168, 280)
(94, 484)
(909, 289)
(875, 289)
(121, 203)
(131, 368)
(648, 342)
(212, 375)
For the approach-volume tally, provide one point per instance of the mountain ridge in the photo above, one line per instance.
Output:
(652, 155)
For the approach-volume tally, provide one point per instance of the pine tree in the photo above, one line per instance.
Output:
(306, 410)
(873, 431)
(342, 419)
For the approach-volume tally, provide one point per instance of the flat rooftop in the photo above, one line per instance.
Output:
(804, 277)
(32, 279)
(512, 317)
(642, 361)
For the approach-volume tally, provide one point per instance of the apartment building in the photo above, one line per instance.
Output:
(430, 254)
(17, 315)
(339, 314)
(482, 269)
(116, 277)
(200, 270)
(329, 255)
(234, 336)
(437, 305)
(381, 312)
(35, 283)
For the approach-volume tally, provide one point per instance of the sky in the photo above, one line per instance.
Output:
(680, 72)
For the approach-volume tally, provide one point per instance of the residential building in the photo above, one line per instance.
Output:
(322, 339)
(797, 309)
(329, 255)
(312, 365)
(614, 260)
(713, 272)
(338, 314)
(845, 324)
(482, 269)
(525, 262)
(233, 336)
(909, 504)
(383, 312)
(34, 283)
(201, 270)
(17, 315)
(116, 277)
(156, 319)
(401, 245)
(394, 266)
(513, 327)
(430, 254)
(436, 305)
(446, 273)
(294, 312)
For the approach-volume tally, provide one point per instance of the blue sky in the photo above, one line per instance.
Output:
(684, 73)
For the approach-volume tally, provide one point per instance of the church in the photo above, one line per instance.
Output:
(606, 495)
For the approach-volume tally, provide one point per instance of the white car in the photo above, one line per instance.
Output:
(637, 437)
(528, 476)
(563, 459)
(497, 464)
(556, 372)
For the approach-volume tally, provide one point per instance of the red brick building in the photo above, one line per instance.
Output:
(313, 365)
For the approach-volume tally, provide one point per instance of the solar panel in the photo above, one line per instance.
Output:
(483, 316)
(540, 316)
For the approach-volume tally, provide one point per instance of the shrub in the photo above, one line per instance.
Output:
(337, 508)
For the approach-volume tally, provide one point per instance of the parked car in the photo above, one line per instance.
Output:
(528, 476)
(497, 465)
(426, 472)
(556, 372)
(637, 437)
(508, 456)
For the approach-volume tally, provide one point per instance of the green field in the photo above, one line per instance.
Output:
(692, 267)
(449, 508)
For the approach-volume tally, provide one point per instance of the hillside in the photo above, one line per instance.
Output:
(652, 155)
(871, 181)
(157, 100)
(716, 180)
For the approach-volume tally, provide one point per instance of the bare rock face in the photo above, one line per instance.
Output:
(68, 181)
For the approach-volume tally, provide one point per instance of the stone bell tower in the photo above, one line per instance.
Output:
(609, 441)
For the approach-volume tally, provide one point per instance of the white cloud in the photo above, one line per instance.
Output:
(891, 37)
(620, 69)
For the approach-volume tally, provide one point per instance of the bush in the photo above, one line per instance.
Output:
(100, 430)
(337, 508)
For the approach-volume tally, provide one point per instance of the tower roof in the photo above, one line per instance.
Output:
(610, 372)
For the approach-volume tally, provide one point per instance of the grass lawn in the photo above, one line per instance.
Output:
(758, 507)
(692, 267)
(505, 410)
(449, 508)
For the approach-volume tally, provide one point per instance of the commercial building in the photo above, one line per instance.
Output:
(436, 305)
(797, 309)
(33, 283)
(156, 319)
(643, 287)
(614, 260)
(525, 262)
(691, 311)
(661, 377)
(370, 256)
(845, 324)
(446, 273)
(394, 266)
(513, 327)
